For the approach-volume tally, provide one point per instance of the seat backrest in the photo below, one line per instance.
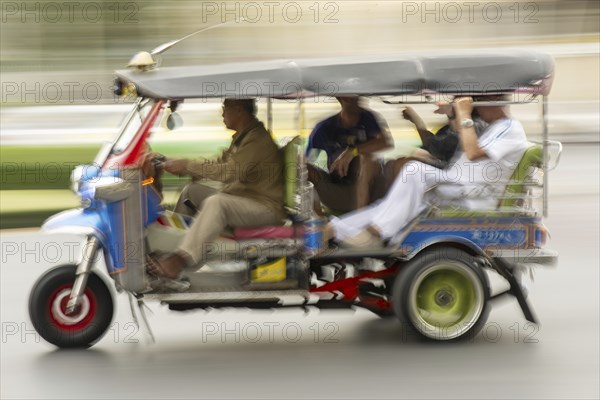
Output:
(291, 154)
(532, 158)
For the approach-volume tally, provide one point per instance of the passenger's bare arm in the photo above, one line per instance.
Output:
(382, 141)
(463, 108)
(447, 109)
(411, 115)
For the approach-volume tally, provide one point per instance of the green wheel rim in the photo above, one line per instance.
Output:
(446, 300)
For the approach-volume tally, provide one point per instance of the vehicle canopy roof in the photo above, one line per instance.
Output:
(481, 72)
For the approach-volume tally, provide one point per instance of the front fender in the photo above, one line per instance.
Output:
(85, 222)
(78, 221)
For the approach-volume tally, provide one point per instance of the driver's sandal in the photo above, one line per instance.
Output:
(163, 277)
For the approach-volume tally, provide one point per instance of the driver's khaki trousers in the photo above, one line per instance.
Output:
(217, 212)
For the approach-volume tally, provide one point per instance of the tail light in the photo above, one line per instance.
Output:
(541, 235)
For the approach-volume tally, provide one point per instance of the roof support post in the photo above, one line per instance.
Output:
(270, 115)
(545, 153)
(299, 117)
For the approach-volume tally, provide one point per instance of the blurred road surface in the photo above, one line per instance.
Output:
(335, 354)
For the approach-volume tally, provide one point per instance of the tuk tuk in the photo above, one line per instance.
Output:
(434, 276)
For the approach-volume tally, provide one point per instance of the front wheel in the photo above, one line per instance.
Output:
(442, 294)
(48, 303)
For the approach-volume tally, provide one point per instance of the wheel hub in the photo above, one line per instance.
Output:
(444, 298)
(59, 309)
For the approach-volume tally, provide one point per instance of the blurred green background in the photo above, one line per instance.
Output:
(57, 61)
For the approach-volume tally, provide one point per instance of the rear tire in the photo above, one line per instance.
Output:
(47, 309)
(442, 294)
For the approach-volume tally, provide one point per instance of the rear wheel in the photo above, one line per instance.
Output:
(48, 303)
(442, 294)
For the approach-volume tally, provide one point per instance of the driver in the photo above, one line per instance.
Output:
(252, 171)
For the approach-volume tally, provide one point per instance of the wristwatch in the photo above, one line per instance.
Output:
(466, 123)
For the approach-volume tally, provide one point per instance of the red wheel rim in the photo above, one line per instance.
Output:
(83, 315)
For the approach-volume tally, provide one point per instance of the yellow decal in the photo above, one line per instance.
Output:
(270, 272)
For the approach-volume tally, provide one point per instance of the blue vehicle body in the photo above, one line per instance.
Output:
(478, 234)
(103, 219)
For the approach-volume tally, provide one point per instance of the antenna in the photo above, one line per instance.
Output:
(166, 46)
(143, 60)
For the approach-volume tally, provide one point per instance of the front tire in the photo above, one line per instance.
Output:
(47, 309)
(442, 294)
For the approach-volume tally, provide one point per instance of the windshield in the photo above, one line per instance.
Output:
(132, 124)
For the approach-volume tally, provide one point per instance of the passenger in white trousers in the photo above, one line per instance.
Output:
(475, 178)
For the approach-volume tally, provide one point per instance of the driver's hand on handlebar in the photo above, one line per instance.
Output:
(176, 167)
(149, 167)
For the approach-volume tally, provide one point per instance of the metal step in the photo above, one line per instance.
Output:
(281, 297)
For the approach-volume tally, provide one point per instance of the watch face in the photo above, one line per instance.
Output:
(466, 123)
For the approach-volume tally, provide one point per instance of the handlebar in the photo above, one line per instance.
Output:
(158, 160)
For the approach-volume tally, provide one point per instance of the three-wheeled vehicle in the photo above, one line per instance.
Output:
(434, 275)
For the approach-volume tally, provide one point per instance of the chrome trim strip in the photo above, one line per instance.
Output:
(535, 257)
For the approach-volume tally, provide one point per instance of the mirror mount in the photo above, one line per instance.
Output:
(173, 104)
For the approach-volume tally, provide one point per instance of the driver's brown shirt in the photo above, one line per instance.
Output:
(251, 167)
